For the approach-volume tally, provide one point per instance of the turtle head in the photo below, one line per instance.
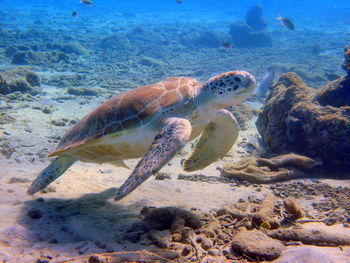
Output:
(229, 88)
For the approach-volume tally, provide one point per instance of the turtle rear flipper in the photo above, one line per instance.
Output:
(170, 140)
(57, 167)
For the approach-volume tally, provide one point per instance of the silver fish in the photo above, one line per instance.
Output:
(266, 82)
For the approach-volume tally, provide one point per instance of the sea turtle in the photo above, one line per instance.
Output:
(155, 122)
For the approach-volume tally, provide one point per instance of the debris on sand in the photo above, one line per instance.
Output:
(267, 170)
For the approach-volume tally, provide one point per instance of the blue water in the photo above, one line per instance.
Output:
(305, 14)
(324, 23)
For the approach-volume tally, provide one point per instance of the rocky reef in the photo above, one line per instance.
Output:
(315, 123)
(38, 58)
(20, 79)
(337, 93)
(252, 33)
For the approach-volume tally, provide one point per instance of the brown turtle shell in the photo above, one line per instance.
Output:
(127, 110)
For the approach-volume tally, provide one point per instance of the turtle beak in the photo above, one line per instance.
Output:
(251, 82)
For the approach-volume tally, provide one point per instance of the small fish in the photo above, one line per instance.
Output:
(286, 23)
(75, 14)
(266, 82)
(87, 2)
(227, 45)
(179, 1)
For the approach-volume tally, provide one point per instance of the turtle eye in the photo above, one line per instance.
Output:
(238, 78)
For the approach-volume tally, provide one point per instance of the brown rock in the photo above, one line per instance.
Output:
(256, 244)
(293, 208)
(186, 250)
(207, 244)
(214, 252)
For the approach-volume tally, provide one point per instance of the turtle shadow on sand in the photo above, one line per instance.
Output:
(91, 223)
(95, 225)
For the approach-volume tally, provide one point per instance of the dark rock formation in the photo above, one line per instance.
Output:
(346, 64)
(21, 79)
(32, 78)
(253, 33)
(164, 218)
(115, 41)
(140, 35)
(4, 87)
(4, 33)
(73, 48)
(208, 39)
(298, 119)
(336, 93)
(10, 51)
(254, 18)
(260, 39)
(243, 36)
(240, 34)
(38, 58)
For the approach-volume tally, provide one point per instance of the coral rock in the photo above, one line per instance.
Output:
(292, 120)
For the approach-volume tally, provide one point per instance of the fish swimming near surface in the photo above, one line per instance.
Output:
(179, 1)
(75, 14)
(266, 82)
(87, 2)
(286, 23)
(227, 45)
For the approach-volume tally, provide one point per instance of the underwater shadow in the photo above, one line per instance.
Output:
(92, 218)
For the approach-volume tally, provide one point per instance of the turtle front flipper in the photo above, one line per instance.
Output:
(170, 140)
(216, 141)
(56, 168)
